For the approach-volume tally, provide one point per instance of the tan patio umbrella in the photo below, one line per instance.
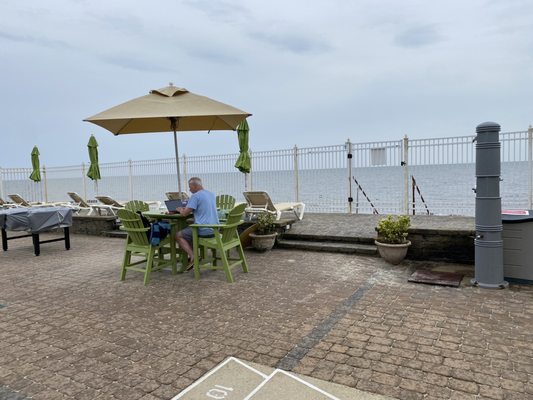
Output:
(170, 109)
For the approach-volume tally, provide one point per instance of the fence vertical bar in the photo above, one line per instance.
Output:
(130, 178)
(45, 185)
(349, 170)
(296, 178)
(405, 165)
(530, 167)
(84, 180)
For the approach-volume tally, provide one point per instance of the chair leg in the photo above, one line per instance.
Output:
(196, 254)
(149, 264)
(225, 265)
(243, 259)
(173, 259)
(126, 261)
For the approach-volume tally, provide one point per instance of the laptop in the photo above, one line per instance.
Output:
(173, 204)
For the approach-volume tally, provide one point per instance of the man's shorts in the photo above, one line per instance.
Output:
(187, 235)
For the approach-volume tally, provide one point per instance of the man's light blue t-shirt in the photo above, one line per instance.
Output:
(204, 205)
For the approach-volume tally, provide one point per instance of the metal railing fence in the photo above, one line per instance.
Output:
(321, 177)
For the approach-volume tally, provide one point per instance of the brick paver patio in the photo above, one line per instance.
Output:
(69, 329)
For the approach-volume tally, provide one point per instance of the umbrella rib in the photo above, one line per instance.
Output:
(123, 127)
(220, 118)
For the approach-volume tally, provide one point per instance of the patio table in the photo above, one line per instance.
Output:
(177, 223)
(35, 220)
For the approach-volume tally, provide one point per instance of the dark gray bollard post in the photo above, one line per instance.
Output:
(488, 241)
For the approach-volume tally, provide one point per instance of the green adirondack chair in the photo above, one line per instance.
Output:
(225, 204)
(137, 205)
(137, 244)
(226, 238)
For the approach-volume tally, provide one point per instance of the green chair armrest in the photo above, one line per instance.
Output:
(216, 225)
(134, 229)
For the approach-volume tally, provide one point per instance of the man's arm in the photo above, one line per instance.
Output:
(184, 211)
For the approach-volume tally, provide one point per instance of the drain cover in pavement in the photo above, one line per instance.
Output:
(436, 278)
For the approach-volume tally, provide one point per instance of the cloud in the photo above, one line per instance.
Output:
(294, 43)
(220, 10)
(40, 41)
(418, 37)
(137, 64)
(218, 56)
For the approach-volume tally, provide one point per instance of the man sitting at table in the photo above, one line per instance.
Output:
(204, 208)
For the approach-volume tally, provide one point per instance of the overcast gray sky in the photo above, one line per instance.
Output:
(311, 72)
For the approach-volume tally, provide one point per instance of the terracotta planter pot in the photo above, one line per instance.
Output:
(263, 242)
(393, 253)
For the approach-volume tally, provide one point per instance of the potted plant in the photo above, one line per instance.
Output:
(264, 237)
(392, 238)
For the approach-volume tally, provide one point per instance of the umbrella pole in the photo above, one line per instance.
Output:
(177, 159)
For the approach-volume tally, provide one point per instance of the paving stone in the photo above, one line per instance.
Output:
(71, 327)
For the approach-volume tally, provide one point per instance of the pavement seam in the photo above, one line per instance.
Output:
(298, 352)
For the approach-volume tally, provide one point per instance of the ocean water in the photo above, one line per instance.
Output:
(446, 189)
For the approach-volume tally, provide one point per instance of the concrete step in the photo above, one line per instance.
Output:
(328, 238)
(329, 246)
(115, 234)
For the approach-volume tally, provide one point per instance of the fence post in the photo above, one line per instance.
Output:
(2, 183)
(84, 180)
(296, 177)
(530, 167)
(249, 182)
(349, 169)
(45, 185)
(405, 165)
(130, 178)
(413, 193)
(185, 171)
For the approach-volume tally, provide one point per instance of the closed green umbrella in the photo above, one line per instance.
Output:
(244, 162)
(36, 173)
(94, 169)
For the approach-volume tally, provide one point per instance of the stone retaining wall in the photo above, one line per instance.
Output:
(441, 245)
(95, 225)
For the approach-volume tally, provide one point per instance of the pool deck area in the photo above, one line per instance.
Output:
(70, 329)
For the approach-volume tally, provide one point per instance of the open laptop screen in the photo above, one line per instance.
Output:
(173, 204)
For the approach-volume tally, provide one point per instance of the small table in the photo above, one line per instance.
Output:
(35, 221)
(177, 223)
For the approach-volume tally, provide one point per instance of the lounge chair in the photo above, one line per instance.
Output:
(261, 202)
(177, 195)
(21, 202)
(90, 209)
(108, 201)
(4, 204)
